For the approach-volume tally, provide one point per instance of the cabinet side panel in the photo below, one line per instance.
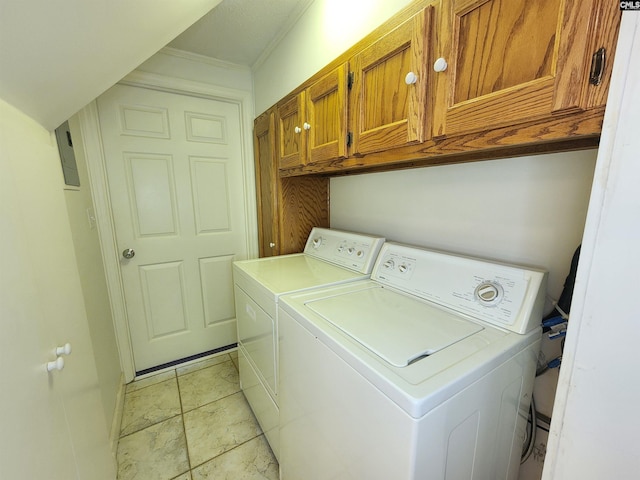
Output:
(305, 204)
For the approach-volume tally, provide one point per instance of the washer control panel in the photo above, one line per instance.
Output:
(352, 250)
(505, 295)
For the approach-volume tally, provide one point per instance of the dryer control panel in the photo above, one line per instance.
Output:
(508, 296)
(355, 251)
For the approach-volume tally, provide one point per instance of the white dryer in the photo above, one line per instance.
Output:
(330, 257)
(425, 371)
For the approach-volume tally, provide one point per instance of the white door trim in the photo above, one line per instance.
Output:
(90, 130)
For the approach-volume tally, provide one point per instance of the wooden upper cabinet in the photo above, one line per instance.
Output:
(292, 144)
(267, 183)
(325, 124)
(312, 125)
(390, 84)
(512, 61)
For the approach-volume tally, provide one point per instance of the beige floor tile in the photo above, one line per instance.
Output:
(218, 427)
(184, 476)
(149, 406)
(155, 453)
(234, 358)
(249, 461)
(203, 364)
(208, 385)
(152, 380)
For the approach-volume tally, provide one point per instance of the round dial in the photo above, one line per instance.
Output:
(317, 242)
(350, 250)
(389, 264)
(489, 293)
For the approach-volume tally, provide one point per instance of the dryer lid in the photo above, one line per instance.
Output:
(398, 328)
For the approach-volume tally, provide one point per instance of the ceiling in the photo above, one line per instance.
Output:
(57, 56)
(239, 31)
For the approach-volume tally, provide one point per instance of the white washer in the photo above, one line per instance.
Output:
(330, 257)
(425, 371)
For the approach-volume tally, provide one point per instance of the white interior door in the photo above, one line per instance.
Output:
(175, 174)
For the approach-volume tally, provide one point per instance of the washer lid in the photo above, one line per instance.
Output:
(291, 273)
(398, 328)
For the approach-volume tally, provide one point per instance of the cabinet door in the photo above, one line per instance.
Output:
(387, 110)
(267, 183)
(326, 117)
(511, 61)
(291, 143)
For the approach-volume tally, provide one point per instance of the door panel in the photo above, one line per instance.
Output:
(506, 66)
(163, 295)
(152, 188)
(174, 166)
(267, 183)
(292, 145)
(327, 117)
(493, 56)
(210, 195)
(386, 111)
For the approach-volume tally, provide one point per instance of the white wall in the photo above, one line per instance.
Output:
(327, 29)
(42, 307)
(528, 210)
(92, 279)
(176, 63)
(594, 433)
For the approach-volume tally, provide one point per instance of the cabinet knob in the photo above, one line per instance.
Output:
(440, 65)
(64, 349)
(297, 130)
(306, 126)
(57, 364)
(410, 78)
(271, 244)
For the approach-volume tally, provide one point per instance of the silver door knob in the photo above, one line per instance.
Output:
(128, 253)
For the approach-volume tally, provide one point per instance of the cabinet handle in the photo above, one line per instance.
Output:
(410, 78)
(297, 129)
(306, 126)
(597, 66)
(271, 244)
(440, 65)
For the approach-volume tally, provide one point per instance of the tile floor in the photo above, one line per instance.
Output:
(192, 423)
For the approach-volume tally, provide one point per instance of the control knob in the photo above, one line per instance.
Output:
(489, 293)
(389, 264)
(316, 242)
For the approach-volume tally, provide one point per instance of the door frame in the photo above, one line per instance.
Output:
(90, 131)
